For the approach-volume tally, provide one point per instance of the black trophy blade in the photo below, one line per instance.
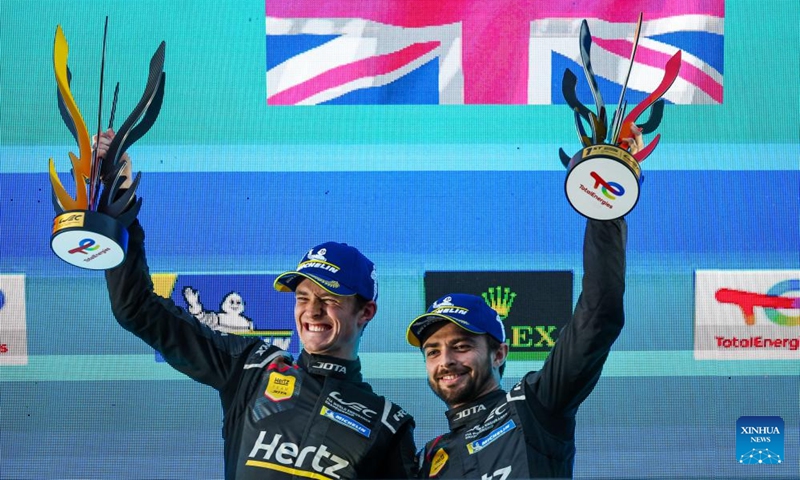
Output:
(126, 199)
(599, 126)
(127, 217)
(595, 123)
(127, 205)
(153, 81)
(94, 178)
(585, 47)
(113, 181)
(614, 120)
(113, 107)
(565, 159)
(568, 83)
(618, 124)
(150, 115)
(111, 203)
(582, 136)
(654, 119)
(116, 206)
(105, 195)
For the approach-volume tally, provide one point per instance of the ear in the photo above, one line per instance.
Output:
(368, 313)
(499, 356)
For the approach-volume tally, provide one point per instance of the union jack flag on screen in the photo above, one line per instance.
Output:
(360, 52)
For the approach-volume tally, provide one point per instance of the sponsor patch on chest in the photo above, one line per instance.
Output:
(337, 402)
(279, 387)
(438, 462)
(495, 416)
(345, 420)
(480, 444)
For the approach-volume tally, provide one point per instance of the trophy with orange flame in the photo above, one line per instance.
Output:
(604, 179)
(89, 230)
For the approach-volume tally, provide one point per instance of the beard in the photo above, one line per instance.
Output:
(478, 382)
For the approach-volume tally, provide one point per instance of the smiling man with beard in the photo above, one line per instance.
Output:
(529, 431)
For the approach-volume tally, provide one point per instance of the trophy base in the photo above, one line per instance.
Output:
(89, 240)
(603, 182)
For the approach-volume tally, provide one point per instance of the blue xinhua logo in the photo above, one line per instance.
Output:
(759, 440)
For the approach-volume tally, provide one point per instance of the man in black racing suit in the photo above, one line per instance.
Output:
(315, 418)
(528, 432)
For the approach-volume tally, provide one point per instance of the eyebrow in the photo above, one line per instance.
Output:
(464, 338)
(309, 293)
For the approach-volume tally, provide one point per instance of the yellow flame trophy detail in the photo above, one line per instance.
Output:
(89, 230)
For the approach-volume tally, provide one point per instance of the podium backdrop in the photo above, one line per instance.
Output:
(431, 143)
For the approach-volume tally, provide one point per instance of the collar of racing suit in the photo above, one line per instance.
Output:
(475, 411)
(349, 370)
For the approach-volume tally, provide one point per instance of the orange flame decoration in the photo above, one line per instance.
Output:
(81, 166)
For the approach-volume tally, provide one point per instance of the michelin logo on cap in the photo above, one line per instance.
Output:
(446, 306)
(336, 267)
(318, 260)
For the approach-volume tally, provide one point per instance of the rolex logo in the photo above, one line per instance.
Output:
(500, 299)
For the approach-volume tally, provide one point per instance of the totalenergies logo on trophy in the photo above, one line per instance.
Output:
(610, 190)
(85, 246)
(591, 169)
(88, 250)
(101, 209)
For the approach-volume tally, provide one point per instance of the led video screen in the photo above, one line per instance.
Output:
(427, 134)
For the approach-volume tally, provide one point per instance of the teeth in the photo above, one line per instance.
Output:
(316, 328)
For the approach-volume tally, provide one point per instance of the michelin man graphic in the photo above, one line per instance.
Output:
(229, 319)
(317, 256)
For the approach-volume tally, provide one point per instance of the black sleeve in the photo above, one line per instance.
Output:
(205, 355)
(573, 368)
(400, 459)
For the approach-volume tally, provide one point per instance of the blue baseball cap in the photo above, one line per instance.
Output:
(469, 312)
(336, 267)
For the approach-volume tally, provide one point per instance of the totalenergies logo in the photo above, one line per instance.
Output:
(85, 246)
(610, 190)
(773, 300)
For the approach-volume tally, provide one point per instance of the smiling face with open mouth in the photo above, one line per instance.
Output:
(329, 324)
(460, 366)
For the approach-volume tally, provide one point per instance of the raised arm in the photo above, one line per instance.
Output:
(573, 368)
(185, 343)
